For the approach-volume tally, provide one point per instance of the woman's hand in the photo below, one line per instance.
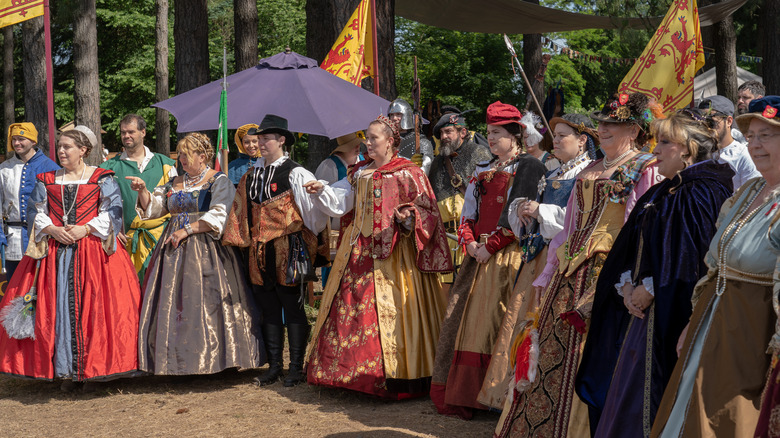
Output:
(681, 341)
(403, 213)
(482, 255)
(78, 232)
(628, 290)
(144, 197)
(471, 248)
(314, 187)
(176, 237)
(641, 298)
(60, 234)
(136, 183)
(527, 211)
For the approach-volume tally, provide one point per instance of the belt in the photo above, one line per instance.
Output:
(16, 224)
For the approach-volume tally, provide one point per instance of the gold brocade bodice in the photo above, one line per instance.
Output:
(364, 203)
(595, 224)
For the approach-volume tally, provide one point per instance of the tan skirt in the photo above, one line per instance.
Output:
(728, 375)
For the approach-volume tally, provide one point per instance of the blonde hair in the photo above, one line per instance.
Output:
(683, 128)
(194, 144)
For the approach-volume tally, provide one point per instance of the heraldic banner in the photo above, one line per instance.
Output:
(670, 60)
(352, 56)
(16, 11)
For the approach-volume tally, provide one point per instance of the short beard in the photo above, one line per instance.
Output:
(448, 149)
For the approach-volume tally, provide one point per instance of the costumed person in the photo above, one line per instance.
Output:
(602, 198)
(248, 152)
(533, 136)
(139, 236)
(402, 113)
(536, 221)
(71, 310)
(274, 217)
(715, 388)
(651, 270)
(719, 111)
(17, 181)
(478, 297)
(198, 314)
(333, 169)
(450, 174)
(769, 127)
(380, 312)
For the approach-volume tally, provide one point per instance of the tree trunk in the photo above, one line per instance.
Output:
(34, 69)
(191, 44)
(771, 52)
(8, 80)
(725, 40)
(162, 122)
(245, 23)
(86, 95)
(325, 19)
(532, 60)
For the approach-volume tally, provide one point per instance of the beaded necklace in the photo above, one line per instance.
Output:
(730, 233)
(192, 181)
(75, 196)
(571, 164)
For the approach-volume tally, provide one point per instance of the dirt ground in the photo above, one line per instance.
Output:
(226, 404)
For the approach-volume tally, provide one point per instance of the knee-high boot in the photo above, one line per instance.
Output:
(298, 336)
(273, 336)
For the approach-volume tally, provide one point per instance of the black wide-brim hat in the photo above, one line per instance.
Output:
(625, 108)
(273, 124)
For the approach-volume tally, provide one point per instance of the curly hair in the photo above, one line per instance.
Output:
(683, 128)
(196, 143)
(79, 138)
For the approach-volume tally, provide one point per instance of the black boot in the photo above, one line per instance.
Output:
(298, 337)
(273, 336)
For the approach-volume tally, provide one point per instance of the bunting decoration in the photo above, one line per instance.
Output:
(352, 55)
(16, 11)
(670, 60)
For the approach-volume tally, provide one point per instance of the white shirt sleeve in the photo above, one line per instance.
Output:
(336, 199)
(222, 194)
(550, 220)
(172, 173)
(647, 282)
(157, 206)
(313, 217)
(514, 221)
(42, 219)
(469, 201)
(101, 224)
(327, 171)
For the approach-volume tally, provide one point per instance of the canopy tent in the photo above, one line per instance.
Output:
(704, 85)
(517, 16)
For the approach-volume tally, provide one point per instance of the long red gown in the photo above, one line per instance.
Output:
(103, 293)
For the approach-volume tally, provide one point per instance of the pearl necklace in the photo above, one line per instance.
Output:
(730, 233)
(610, 163)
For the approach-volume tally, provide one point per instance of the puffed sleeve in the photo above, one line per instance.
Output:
(327, 171)
(313, 218)
(109, 218)
(222, 194)
(157, 207)
(38, 212)
(336, 199)
(552, 251)
(550, 219)
(514, 221)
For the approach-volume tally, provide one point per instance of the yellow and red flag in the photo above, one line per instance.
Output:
(16, 11)
(672, 57)
(352, 56)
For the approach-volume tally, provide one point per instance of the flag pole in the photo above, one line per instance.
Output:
(376, 48)
(49, 81)
(224, 150)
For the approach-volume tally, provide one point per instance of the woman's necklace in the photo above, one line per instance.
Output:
(571, 164)
(75, 196)
(194, 180)
(609, 163)
(728, 238)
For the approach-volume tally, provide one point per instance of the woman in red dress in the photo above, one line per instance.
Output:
(71, 310)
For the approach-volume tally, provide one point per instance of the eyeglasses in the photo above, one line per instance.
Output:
(762, 138)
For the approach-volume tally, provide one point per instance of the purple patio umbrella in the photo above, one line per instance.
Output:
(288, 85)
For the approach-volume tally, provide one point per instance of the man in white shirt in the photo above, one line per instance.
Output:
(719, 111)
